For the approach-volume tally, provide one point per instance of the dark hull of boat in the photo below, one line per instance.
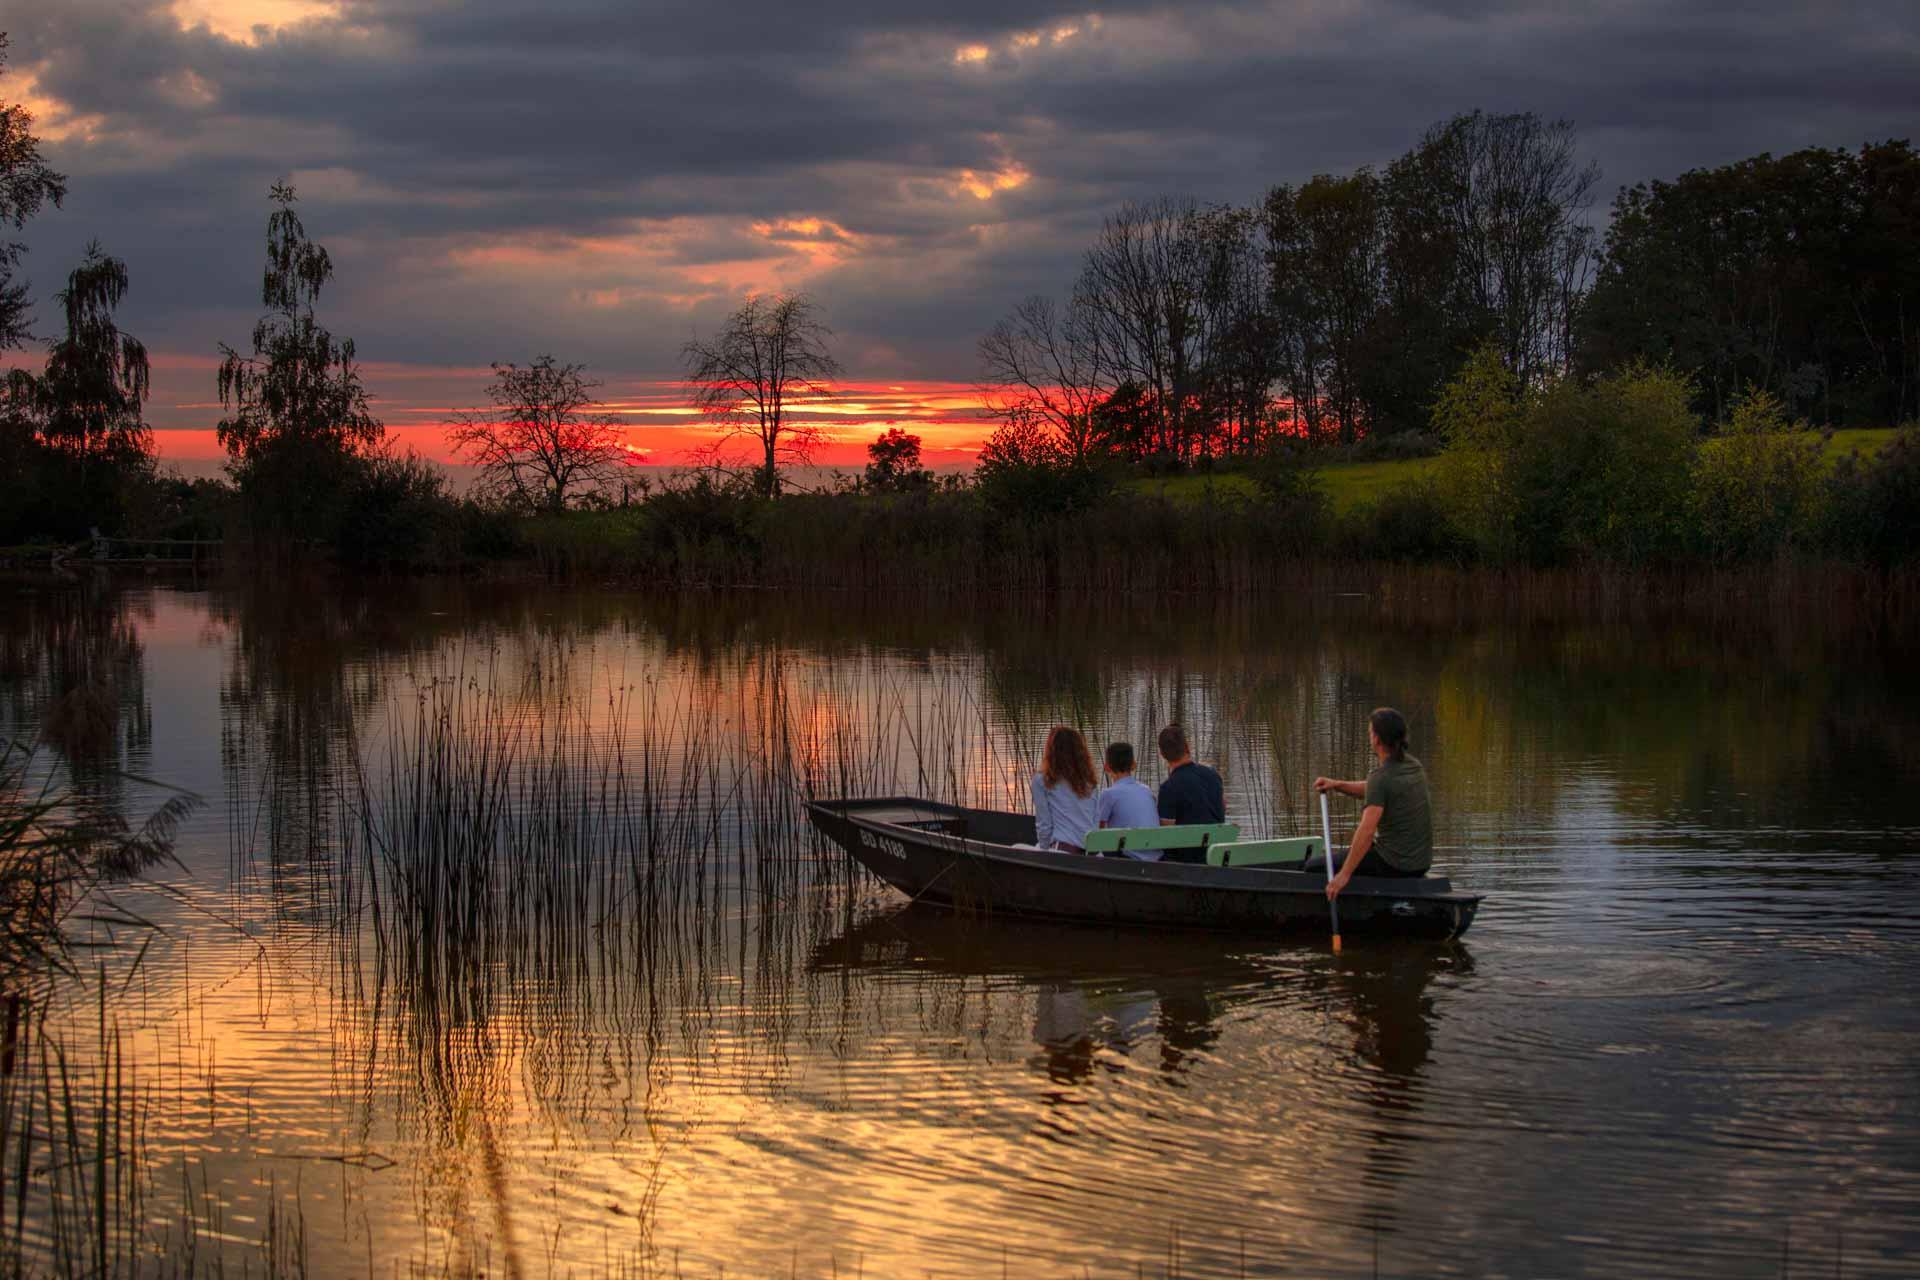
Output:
(963, 859)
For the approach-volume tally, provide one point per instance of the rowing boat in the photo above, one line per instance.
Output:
(968, 859)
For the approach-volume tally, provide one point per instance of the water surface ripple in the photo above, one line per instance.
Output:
(1682, 1038)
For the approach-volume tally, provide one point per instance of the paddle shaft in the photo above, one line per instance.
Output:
(1326, 833)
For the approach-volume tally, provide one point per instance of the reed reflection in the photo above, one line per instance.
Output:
(73, 672)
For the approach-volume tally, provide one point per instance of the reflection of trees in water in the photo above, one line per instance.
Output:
(1275, 695)
(305, 669)
(1272, 695)
(72, 670)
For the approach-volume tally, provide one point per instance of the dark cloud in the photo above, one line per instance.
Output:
(596, 177)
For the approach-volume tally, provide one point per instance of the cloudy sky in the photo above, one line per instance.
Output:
(601, 178)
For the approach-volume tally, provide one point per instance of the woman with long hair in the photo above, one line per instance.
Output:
(1063, 804)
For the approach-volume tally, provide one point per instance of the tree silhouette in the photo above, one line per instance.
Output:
(540, 446)
(893, 462)
(1046, 363)
(97, 377)
(770, 350)
(300, 387)
(26, 186)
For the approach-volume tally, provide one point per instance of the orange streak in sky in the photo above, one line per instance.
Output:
(947, 416)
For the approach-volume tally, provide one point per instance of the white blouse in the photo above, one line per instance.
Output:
(1059, 814)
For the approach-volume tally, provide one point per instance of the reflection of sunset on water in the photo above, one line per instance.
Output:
(696, 1039)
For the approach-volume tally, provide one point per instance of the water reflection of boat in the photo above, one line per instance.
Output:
(1101, 989)
(965, 858)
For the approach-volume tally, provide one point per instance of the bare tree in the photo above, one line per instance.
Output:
(541, 445)
(1141, 290)
(1045, 364)
(1171, 290)
(770, 350)
(1515, 195)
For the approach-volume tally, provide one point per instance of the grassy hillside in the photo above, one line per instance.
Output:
(1355, 484)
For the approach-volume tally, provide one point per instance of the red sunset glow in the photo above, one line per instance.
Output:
(417, 403)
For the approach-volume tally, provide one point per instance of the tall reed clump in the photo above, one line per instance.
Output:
(73, 1170)
(57, 857)
(493, 839)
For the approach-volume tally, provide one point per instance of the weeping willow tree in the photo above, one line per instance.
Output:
(97, 378)
(27, 185)
(296, 413)
(78, 443)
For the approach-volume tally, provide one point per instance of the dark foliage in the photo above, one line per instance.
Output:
(75, 451)
(1335, 310)
(1024, 473)
(27, 185)
(1873, 505)
(297, 415)
(1411, 524)
(396, 513)
(893, 463)
(1796, 274)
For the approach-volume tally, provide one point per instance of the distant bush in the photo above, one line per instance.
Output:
(1480, 415)
(1602, 469)
(177, 507)
(1872, 511)
(1291, 499)
(395, 513)
(1569, 471)
(1024, 472)
(1386, 446)
(1412, 523)
(1758, 485)
(893, 463)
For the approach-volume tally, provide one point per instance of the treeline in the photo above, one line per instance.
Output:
(1337, 309)
(1797, 275)
(1605, 476)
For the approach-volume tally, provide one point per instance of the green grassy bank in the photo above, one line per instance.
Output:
(1352, 485)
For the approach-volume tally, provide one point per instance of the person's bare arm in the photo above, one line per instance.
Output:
(1362, 841)
(1357, 790)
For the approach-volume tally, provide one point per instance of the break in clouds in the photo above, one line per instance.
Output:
(597, 178)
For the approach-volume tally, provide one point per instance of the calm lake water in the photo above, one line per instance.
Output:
(646, 1023)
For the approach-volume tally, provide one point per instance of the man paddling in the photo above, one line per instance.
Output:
(1395, 835)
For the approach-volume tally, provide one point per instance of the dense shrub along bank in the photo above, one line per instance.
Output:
(1627, 498)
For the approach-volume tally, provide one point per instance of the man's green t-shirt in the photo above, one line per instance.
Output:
(1405, 835)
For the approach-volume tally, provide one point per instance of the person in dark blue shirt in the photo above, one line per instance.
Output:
(1191, 794)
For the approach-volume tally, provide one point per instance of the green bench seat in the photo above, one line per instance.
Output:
(1274, 854)
(1198, 836)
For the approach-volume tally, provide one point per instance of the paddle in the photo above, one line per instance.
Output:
(1333, 904)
